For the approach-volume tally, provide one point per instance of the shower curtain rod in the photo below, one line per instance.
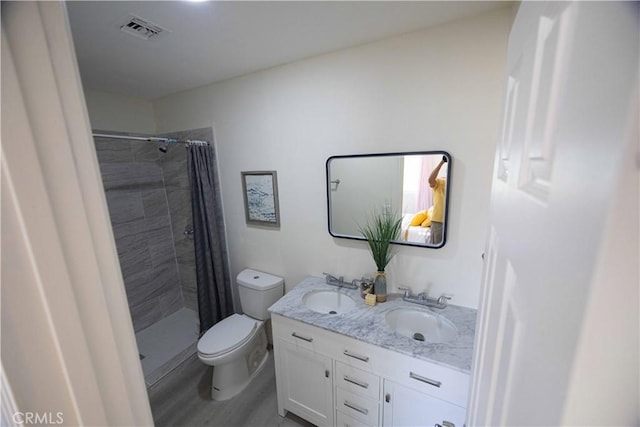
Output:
(154, 139)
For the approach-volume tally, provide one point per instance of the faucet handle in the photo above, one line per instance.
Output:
(330, 278)
(333, 280)
(442, 299)
(407, 291)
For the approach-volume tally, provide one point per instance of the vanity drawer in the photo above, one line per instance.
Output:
(359, 354)
(302, 335)
(363, 409)
(435, 380)
(357, 381)
(344, 420)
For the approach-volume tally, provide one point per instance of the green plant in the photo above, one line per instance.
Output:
(380, 230)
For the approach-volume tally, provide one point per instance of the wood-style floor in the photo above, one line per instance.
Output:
(183, 398)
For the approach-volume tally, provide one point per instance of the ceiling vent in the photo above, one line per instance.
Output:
(142, 28)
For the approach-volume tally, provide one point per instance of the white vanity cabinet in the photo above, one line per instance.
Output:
(404, 406)
(420, 393)
(307, 384)
(304, 373)
(331, 379)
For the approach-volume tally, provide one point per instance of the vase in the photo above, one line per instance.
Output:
(380, 286)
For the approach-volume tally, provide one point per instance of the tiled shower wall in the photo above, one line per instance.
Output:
(149, 204)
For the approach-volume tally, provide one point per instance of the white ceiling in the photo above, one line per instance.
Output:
(213, 41)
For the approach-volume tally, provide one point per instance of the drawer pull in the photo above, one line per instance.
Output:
(307, 339)
(355, 407)
(326, 373)
(356, 382)
(356, 356)
(425, 379)
(387, 398)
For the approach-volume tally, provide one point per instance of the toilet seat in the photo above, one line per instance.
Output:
(227, 335)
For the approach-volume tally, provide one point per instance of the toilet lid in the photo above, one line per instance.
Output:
(226, 335)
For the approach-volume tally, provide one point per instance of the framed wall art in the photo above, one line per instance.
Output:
(260, 191)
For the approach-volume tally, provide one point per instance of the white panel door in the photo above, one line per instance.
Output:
(307, 383)
(571, 74)
(404, 406)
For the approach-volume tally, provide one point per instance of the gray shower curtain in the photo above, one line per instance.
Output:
(215, 301)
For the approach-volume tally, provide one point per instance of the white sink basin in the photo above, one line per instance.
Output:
(421, 325)
(328, 302)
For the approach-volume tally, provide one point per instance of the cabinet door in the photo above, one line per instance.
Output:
(307, 383)
(404, 406)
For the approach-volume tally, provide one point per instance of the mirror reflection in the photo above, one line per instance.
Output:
(413, 185)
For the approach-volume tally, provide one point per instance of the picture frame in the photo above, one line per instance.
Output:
(260, 193)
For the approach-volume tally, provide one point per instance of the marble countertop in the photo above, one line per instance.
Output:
(367, 324)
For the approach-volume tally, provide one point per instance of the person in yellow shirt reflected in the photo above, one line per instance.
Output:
(438, 185)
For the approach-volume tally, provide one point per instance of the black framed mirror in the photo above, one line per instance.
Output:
(413, 185)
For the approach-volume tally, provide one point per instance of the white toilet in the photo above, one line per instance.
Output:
(236, 347)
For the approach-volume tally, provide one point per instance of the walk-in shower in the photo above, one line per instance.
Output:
(148, 194)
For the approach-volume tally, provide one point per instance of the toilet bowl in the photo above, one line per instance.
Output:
(236, 347)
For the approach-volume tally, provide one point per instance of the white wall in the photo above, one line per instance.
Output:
(440, 88)
(115, 112)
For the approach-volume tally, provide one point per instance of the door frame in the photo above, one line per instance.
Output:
(68, 343)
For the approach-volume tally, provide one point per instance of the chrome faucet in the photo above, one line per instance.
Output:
(422, 299)
(339, 282)
(333, 280)
(442, 300)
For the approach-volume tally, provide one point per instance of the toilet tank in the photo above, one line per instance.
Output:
(258, 291)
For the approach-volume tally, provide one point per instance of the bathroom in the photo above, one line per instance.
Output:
(381, 96)
(311, 110)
